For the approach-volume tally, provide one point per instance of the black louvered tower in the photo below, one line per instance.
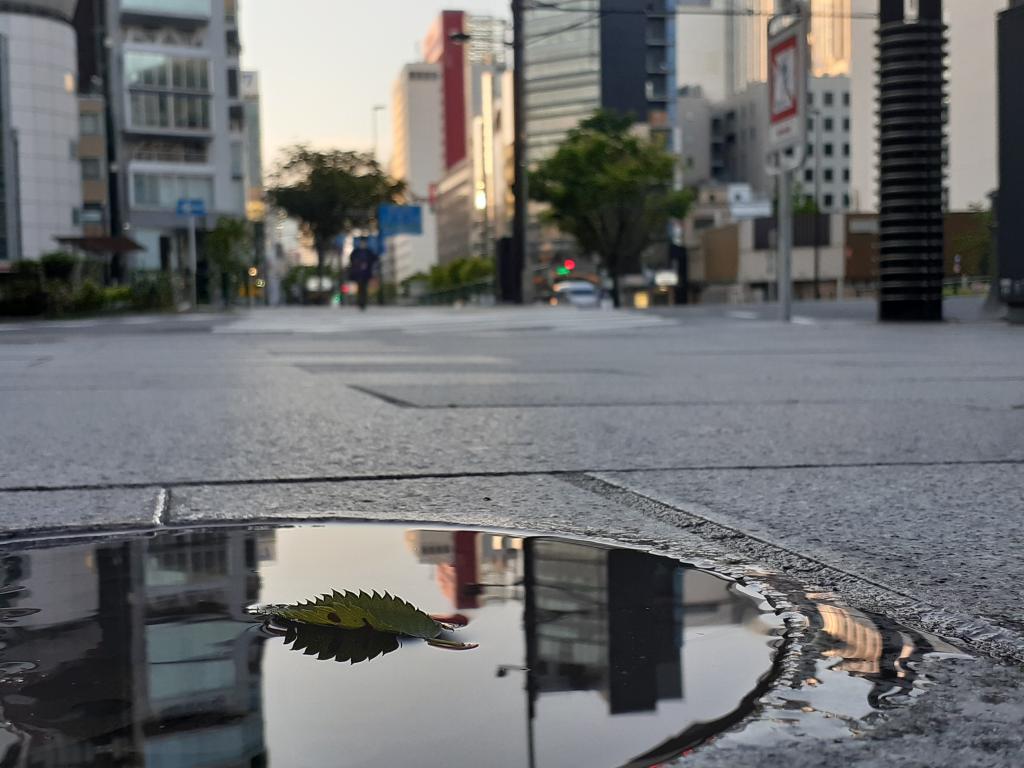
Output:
(911, 160)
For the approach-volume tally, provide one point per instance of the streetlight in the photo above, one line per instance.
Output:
(377, 109)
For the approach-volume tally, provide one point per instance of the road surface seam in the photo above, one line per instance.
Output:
(308, 480)
(977, 632)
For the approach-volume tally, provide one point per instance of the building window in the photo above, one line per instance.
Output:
(828, 200)
(846, 98)
(846, 124)
(846, 174)
(810, 124)
(808, 175)
(163, 72)
(828, 150)
(232, 83)
(828, 98)
(155, 190)
(165, 110)
(829, 124)
(846, 150)
(846, 201)
(810, 98)
(91, 169)
(237, 160)
(91, 214)
(829, 174)
(89, 124)
(810, 150)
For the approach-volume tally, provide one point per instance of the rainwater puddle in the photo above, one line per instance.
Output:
(142, 652)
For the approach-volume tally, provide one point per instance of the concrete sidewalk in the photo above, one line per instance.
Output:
(884, 463)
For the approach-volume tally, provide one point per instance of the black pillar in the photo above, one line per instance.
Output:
(1010, 232)
(911, 148)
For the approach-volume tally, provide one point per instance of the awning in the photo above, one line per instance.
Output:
(120, 244)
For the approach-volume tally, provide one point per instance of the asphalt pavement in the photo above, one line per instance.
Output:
(883, 463)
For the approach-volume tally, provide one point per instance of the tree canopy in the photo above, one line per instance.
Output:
(331, 192)
(611, 190)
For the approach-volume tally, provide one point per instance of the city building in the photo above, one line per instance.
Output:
(726, 142)
(271, 270)
(622, 61)
(92, 155)
(616, 55)
(170, 72)
(41, 186)
(418, 159)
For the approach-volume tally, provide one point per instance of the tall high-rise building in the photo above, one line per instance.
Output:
(597, 54)
(418, 159)
(440, 47)
(170, 71)
(41, 191)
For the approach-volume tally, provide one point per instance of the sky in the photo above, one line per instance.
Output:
(324, 64)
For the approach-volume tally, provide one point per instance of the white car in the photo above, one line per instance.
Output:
(576, 293)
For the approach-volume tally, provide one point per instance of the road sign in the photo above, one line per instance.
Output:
(787, 87)
(400, 220)
(191, 207)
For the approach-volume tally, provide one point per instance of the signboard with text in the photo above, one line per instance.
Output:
(787, 87)
(400, 220)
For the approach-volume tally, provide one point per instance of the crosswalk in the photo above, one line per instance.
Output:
(441, 321)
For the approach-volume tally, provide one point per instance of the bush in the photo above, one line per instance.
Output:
(58, 266)
(152, 292)
(88, 297)
(117, 297)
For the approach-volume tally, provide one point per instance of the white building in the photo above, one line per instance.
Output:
(418, 160)
(42, 188)
(726, 142)
(179, 117)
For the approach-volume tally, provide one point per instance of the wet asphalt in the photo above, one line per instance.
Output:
(881, 463)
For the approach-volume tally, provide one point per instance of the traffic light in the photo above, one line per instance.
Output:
(567, 267)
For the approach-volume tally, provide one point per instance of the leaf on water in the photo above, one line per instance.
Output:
(351, 645)
(351, 610)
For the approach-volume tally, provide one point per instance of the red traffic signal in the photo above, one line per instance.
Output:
(570, 264)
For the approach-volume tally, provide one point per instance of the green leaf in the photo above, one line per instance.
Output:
(350, 610)
(351, 645)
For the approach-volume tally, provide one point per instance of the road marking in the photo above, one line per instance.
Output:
(744, 315)
(804, 321)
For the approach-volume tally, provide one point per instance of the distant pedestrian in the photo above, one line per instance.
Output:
(361, 264)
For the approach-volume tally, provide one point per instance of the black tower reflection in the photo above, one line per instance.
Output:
(604, 620)
(140, 654)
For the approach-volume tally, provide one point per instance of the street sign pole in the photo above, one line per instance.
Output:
(788, 68)
(191, 208)
(785, 246)
(193, 260)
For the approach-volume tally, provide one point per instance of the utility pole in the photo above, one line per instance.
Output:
(817, 202)
(519, 189)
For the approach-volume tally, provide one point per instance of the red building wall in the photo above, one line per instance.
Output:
(438, 47)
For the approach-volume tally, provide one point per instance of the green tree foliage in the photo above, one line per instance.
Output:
(611, 190)
(459, 274)
(331, 192)
(228, 247)
(975, 246)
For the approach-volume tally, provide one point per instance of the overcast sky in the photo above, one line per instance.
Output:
(324, 63)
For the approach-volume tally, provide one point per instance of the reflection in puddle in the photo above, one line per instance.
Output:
(140, 652)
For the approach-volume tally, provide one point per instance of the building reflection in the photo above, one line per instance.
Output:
(142, 653)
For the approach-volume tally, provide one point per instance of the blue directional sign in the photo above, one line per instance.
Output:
(191, 207)
(400, 220)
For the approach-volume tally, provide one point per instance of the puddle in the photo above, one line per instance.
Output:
(144, 651)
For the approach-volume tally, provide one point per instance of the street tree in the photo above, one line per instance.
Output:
(228, 247)
(331, 192)
(611, 190)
